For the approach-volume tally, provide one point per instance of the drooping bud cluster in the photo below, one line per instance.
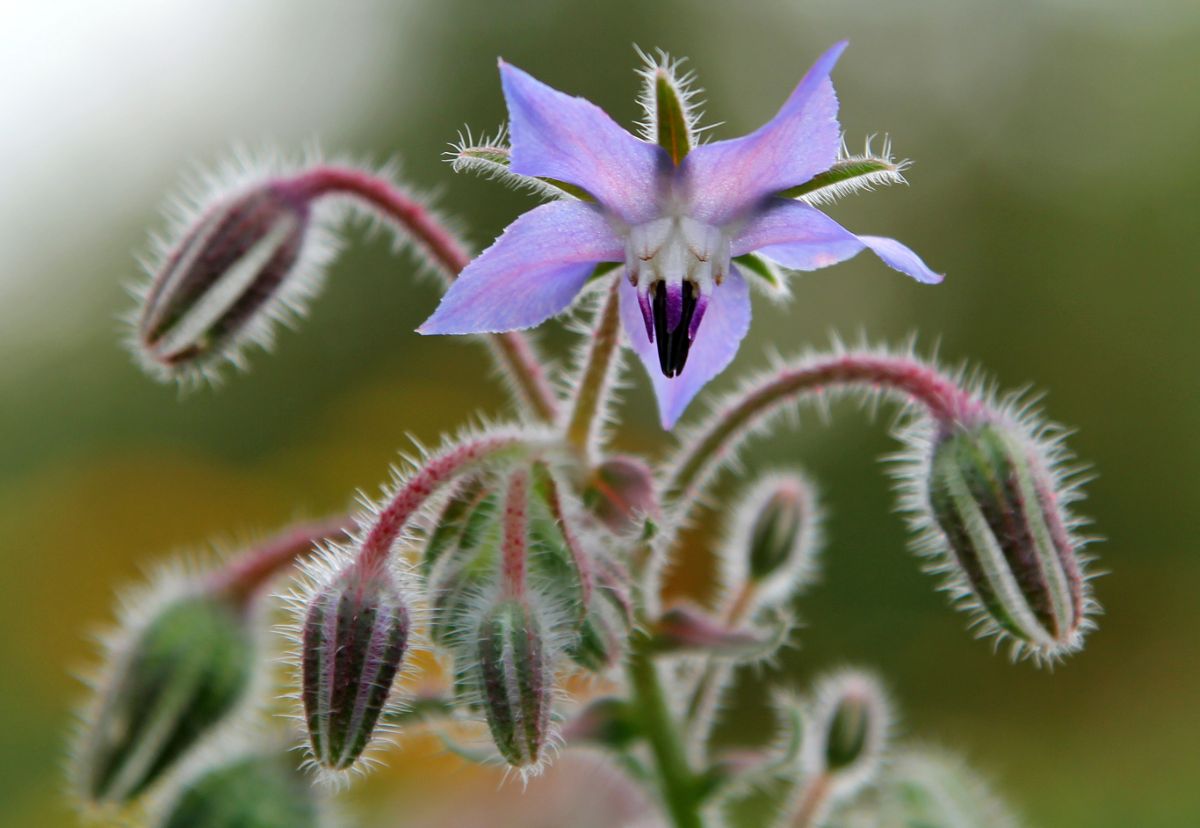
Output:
(179, 676)
(259, 790)
(353, 639)
(991, 509)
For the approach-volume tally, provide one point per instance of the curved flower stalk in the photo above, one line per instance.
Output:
(676, 213)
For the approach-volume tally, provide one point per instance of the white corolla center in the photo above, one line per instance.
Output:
(675, 262)
(675, 249)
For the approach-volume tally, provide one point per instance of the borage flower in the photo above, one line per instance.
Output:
(678, 215)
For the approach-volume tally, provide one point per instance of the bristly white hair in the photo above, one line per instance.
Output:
(874, 170)
(828, 692)
(490, 157)
(658, 64)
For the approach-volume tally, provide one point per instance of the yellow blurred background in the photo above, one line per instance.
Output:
(1055, 180)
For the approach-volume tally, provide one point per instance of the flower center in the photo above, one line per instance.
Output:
(675, 262)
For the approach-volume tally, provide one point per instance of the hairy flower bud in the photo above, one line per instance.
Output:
(247, 260)
(932, 789)
(847, 729)
(772, 548)
(256, 791)
(514, 679)
(620, 491)
(184, 673)
(354, 636)
(992, 497)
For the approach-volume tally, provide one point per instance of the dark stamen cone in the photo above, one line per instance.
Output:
(354, 637)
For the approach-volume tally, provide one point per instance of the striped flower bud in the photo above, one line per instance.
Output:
(182, 675)
(1004, 536)
(847, 729)
(256, 791)
(514, 679)
(247, 260)
(354, 635)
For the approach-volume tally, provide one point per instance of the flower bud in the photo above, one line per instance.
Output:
(846, 732)
(935, 790)
(460, 562)
(354, 635)
(184, 673)
(772, 548)
(1007, 542)
(257, 791)
(238, 267)
(514, 679)
(620, 491)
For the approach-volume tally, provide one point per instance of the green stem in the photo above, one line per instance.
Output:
(594, 380)
(678, 785)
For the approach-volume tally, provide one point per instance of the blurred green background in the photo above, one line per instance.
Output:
(1055, 181)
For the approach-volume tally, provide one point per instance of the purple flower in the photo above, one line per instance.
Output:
(677, 214)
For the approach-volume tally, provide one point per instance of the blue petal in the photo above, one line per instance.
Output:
(726, 178)
(533, 271)
(725, 324)
(555, 135)
(801, 237)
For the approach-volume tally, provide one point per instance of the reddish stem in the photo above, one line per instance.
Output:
(443, 247)
(243, 578)
(516, 518)
(945, 401)
(413, 494)
(579, 555)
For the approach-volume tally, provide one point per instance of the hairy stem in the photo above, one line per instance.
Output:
(713, 676)
(514, 349)
(443, 468)
(245, 576)
(899, 375)
(812, 802)
(594, 381)
(677, 782)
(516, 517)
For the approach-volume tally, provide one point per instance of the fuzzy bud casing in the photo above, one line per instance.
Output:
(185, 672)
(847, 731)
(992, 497)
(620, 491)
(258, 791)
(228, 270)
(514, 678)
(354, 636)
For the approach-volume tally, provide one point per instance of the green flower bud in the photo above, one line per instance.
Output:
(183, 674)
(1007, 540)
(258, 791)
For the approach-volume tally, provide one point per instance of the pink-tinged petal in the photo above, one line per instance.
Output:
(726, 320)
(555, 135)
(727, 178)
(801, 237)
(533, 271)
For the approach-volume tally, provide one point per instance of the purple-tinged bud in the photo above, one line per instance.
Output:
(514, 678)
(687, 629)
(999, 525)
(256, 791)
(844, 740)
(354, 636)
(620, 492)
(248, 260)
(606, 721)
(182, 675)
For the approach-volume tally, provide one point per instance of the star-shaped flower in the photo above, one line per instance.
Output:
(680, 216)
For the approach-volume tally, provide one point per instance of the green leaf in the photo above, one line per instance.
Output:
(674, 134)
(846, 176)
(771, 276)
